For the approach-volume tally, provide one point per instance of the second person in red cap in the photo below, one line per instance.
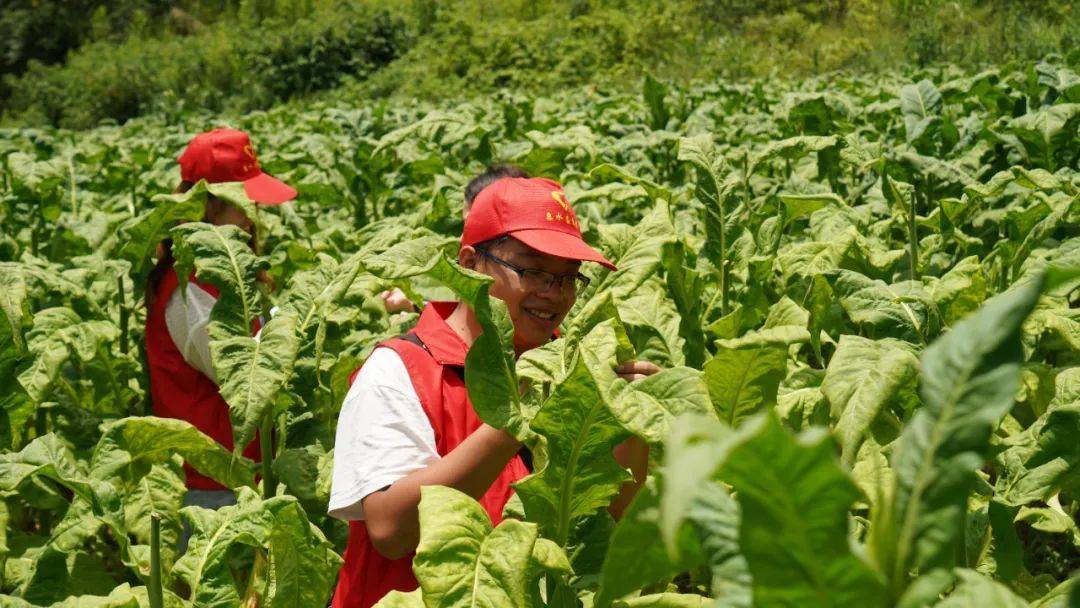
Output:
(183, 383)
(407, 421)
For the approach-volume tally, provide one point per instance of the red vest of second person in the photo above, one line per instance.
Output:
(178, 390)
(435, 371)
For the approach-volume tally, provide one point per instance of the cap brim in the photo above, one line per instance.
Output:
(268, 190)
(562, 245)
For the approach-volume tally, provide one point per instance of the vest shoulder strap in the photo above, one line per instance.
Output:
(412, 338)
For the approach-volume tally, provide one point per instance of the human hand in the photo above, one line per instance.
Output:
(394, 300)
(636, 370)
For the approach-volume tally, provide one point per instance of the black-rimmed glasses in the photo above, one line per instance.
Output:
(535, 279)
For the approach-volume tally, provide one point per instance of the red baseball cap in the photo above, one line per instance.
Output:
(534, 211)
(226, 155)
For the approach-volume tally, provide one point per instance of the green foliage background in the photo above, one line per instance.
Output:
(77, 64)
(863, 291)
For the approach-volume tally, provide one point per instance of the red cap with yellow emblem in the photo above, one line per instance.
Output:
(534, 211)
(226, 155)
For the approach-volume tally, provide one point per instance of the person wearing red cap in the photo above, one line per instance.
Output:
(183, 383)
(407, 421)
(394, 299)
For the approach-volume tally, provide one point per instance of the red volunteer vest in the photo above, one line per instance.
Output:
(435, 371)
(178, 390)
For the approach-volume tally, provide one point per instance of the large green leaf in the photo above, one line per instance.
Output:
(744, 380)
(462, 561)
(57, 335)
(969, 379)
(920, 104)
(253, 371)
(137, 442)
(302, 564)
(303, 567)
(881, 309)
(1046, 457)
(634, 559)
(863, 376)
(581, 474)
(221, 256)
(794, 499)
(1044, 136)
(142, 233)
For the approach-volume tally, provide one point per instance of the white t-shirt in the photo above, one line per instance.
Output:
(186, 317)
(383, 434)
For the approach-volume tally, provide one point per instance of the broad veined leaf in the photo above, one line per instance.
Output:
(975, 589)
(794, 499)
(303, 567)
(743, 380)
(462, 561)
(647, 407)
(398, 599)
(1046, 457)
(968, 382)
(57, 334)
(693, 452)
(862, 377)
(883, 309)
(299, 554)
(637, 251)
(253, 371)
(620, 174)
(634, 559)
(666, 600)
(793, 148)
(581, 475)
(1044, 136)
(1061, 207)
(48, 457)
(221, 256)
(801, 205)
(920, 104)
(960, 291)
(715, 517)
(13, 301)
(143, 233)
(160, 491)
(121, 597)
(141, 442)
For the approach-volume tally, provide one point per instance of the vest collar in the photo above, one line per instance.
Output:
(444, 344)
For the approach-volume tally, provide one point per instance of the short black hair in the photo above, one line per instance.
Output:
(490, 175)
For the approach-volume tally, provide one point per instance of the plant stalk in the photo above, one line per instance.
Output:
(266, 448)
(157, 599)
(123, 314)
(913, 240)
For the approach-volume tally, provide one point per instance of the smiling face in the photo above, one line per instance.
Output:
(536, 313)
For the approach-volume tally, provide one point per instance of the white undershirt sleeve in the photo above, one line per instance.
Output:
(383, 434)
(186, 316)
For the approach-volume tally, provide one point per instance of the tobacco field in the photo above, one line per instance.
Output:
(863, 292)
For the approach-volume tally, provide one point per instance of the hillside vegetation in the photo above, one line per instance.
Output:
(77, 64)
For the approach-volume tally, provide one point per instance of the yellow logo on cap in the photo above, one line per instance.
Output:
(569, 218)
(250, 153)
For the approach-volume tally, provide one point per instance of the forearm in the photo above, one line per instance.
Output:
(632, 454)
(392, 515)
